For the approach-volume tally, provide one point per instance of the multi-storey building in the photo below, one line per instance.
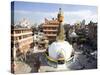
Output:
(21, 40)
(50, 28)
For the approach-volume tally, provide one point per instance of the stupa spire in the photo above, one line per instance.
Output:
(60, 34)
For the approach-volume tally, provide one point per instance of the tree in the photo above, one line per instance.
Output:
(67, 28)
(40, 28)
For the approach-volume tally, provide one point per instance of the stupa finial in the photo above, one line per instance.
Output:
(60, 15)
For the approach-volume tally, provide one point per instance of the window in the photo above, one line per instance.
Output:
(19, 37)
(16, 45)
(15, 38)
(17, 32)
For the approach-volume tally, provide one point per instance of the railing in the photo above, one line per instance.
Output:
(50, 25)
(50, 34)
(24, 39)
(21, 34)
(50, 30)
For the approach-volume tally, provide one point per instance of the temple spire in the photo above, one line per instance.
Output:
(60, 34)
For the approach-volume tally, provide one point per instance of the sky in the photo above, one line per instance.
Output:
(37, 12)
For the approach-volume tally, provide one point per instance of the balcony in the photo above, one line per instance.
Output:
(27, 40)
(50, 35)
(50, 25)
(45, 30)
(15, 35)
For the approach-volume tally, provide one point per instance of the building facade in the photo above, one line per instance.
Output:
(50, 28)
(21, 40)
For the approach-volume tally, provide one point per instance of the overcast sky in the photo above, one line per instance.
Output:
(36, 12)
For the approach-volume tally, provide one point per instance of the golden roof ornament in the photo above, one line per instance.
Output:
(60, 15)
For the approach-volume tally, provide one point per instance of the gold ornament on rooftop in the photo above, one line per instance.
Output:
(60, 16)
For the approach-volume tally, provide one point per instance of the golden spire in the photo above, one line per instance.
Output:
(60, 34)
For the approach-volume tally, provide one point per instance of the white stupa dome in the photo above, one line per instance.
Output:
(60, 47)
